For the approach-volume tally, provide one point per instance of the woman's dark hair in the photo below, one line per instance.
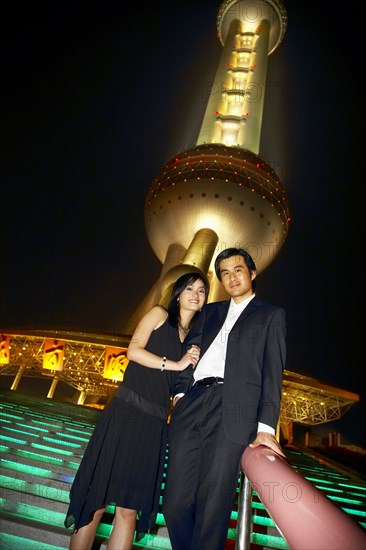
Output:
(228, 253)
(181, 284)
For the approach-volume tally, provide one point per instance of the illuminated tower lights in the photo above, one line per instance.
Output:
(220, 193)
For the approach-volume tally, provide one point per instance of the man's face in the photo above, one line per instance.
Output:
(236, 278)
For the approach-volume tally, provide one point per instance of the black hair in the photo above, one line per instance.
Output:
(228, 253)
(181, 284)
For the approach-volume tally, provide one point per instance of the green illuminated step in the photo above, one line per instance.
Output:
(50, 496)
(31, 528)
(48, 445)
(15, 542)
(36, 428)
(21, 524)
(57, 440)
(78, 414)
(268, 541)
(35, 473)
(31, 456)
(41, 445)
(343, 489)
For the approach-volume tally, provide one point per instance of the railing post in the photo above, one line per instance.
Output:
(244, 521)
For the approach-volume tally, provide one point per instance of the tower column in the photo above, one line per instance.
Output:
(51, 391)
(82, 397)
(17, 378)
(197, 258)
(201, 249)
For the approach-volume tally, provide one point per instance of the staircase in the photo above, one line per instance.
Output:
(41, 444)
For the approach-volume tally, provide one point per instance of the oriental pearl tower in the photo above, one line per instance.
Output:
(220, 193)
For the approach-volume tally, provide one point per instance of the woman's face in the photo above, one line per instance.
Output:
(193, 296)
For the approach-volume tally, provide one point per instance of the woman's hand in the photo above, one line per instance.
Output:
(190, 358)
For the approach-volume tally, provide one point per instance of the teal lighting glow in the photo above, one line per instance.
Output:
(41, 515)
(12, 416)
(73, 465)
(160, 520)
(20, 431)
(348, 486)
(347, 500)
(317, 480)
(31, 427)
(351, 512)
(13, 440)
(231, 533)
(153, 541)
(38, 456)
(85, 439)
(104, 530)
(46, 448)
(269, 541)
(258, 505)
(26, 469)
(50, 424)
(263, 520)
(35, 489)
(329, 489)
(59, 442)
(355, 494)
(80, 431)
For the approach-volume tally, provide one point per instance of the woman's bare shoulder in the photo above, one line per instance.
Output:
(156, 316)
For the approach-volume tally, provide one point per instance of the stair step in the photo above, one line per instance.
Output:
(26, 535)
(10, 541)
(30, 455)
(14, 492)
(33, 473)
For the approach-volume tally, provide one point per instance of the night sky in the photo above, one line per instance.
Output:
(98, 99)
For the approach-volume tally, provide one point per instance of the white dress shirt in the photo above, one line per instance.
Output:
(212, 363)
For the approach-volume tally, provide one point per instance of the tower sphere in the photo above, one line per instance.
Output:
(229, 190)
(252, 12)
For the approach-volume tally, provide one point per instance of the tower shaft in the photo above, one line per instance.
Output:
(234, 110)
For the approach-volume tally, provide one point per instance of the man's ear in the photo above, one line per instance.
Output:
(253, 275)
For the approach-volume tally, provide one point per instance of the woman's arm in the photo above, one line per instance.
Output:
(136, 351)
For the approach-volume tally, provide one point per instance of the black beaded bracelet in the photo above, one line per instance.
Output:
(163, 364)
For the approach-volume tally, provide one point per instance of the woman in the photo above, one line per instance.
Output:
(122, 464)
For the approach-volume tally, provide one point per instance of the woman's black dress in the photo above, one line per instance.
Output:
(123, 461)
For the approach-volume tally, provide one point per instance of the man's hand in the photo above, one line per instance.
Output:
(269, 440)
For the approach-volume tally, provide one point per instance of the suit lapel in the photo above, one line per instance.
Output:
(251, 308)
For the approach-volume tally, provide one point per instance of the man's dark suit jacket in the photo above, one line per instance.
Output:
(255, 359)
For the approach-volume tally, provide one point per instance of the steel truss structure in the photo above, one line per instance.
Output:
(305, 400)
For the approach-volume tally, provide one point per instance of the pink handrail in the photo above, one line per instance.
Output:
(305, 517)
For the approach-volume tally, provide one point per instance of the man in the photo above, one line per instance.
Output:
(231, 398)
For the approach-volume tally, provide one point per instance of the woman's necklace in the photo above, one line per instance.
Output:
(184, 330)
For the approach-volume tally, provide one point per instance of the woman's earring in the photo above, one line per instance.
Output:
(177, 299)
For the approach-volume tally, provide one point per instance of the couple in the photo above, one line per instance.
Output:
(224, 367)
